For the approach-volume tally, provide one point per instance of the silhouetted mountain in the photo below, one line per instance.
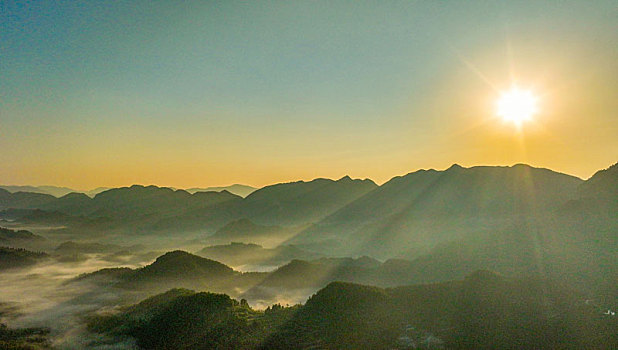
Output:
(205, 212)
(302, 202)
(127, 202)
(68, 203)
(238, 254)
(158, 207)
(25, 200)
(515, 211)
(178, 269)
(51, 190)
(237, 189)
(182, 264)
(15, 258)
(138, 201)
(55, 191)
(427, 207)
(603, 184)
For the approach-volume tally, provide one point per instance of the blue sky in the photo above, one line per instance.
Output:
(210, 93)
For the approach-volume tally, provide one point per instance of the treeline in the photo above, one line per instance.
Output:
(483, 311)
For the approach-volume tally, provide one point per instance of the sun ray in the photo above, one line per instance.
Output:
(472, 68)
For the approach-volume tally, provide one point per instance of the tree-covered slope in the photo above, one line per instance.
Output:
(11, 258)
(482, 311)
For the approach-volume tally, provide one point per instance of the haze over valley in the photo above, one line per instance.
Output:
(263, 175)
(82, 258)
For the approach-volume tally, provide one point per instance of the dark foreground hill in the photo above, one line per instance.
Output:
(23, 338)
(483, 311)
(183, 319)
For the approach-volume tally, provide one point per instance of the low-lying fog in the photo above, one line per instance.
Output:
(40, 297)
(45, 296)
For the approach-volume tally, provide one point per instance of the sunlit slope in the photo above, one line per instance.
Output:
(245, 230)
(239, 254)
(426, 207)
(518, 221)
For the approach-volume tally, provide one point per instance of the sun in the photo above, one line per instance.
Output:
(517, 105)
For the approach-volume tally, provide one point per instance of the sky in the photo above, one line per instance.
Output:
(206, 93)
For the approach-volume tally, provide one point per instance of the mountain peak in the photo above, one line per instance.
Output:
(455, 166)
(184, 263)
(603, 184)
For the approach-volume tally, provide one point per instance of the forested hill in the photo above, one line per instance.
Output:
(483, 311)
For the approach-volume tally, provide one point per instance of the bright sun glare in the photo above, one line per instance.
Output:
(517, 105)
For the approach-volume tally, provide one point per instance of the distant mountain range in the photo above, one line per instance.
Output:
(56, 191)
(52, 190)
(159, 208)
(428, 225)
(239, 190)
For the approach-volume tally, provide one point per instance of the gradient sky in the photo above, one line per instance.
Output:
(203, 93)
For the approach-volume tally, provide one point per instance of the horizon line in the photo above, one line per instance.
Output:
(301, 180)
